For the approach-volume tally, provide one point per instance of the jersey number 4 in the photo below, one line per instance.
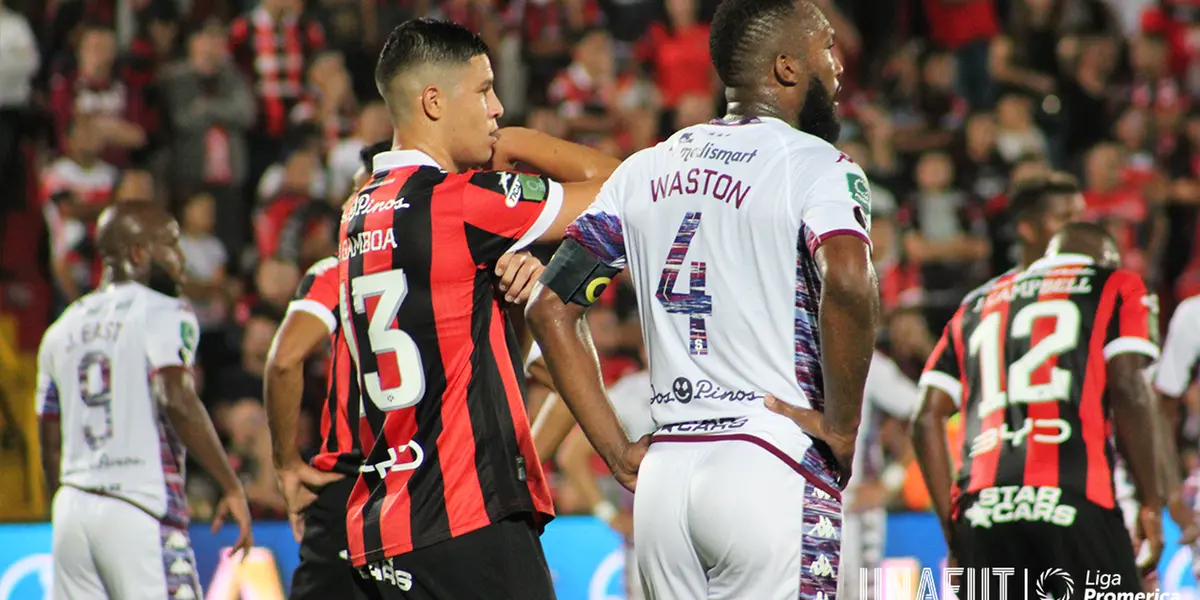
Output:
(985, 346)
(386, 342)
(696, 303)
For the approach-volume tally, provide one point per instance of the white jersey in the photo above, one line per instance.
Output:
(888, 392)
(94, 369)
(1176, 368)
(718, 226)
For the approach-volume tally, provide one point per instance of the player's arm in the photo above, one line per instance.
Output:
(1172, 377)
(49, 427)
(171, 337)
(582, 171)
(309, 322)
(938, 399)
(1128, 351)
(592, 254)
(836, 212)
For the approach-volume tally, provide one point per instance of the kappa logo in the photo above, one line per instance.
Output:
(824, 529)
(181, 567)
(821, 567)
(177, 541)
(185, 592)
(821, 494)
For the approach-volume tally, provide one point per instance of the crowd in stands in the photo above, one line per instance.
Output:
(247, 119)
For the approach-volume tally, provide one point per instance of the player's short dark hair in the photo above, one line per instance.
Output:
(425, 41)
(367, 154)
(1030, 196)
(741, 31)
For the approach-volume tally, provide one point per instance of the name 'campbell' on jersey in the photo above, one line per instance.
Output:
(449, 447)
(1028, 354)
(94, 368)
(718, 226)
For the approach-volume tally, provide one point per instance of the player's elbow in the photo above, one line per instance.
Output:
(546, 313)
(853, 286)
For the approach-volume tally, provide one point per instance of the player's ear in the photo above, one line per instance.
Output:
(787, 70)
(1026, 232)
(433, 102)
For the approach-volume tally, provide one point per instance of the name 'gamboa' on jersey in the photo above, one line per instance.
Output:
(366, 241)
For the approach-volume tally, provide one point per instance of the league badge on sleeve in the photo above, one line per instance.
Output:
(188, 336)
(532, 187)
(861, 194)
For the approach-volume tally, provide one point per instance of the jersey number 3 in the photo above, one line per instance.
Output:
(696, 303)
(389, 288)
(985, 346)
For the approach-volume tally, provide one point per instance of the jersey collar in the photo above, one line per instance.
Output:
(1059, 260)
(398, 159)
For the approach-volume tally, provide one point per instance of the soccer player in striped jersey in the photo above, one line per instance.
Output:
(452, 497)
(317, 493)
(1043, 365)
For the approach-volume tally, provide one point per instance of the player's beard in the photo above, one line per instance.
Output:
(161, 281)
(819, 115)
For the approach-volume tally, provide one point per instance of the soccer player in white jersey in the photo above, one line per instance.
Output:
(891, 393)
(117, 405)
(1175, 372)
(747, 242)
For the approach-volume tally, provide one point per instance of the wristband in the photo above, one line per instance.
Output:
(605, 511)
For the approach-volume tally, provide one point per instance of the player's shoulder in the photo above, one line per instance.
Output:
(156, 305)
(989, 285)
(322, 267)
(513, 186)
(1189, 309)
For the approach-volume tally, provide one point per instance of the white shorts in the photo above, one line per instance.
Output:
(726, 520)
(109, 548)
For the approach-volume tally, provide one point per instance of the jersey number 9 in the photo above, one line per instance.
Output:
(389, 288)
(95, 388)
(696, 303)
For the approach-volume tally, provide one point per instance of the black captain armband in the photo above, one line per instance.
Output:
(576, 275)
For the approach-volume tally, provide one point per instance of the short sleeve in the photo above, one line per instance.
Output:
(889, 388)
(505, 211)
(172, 334)
(837, 203)
(1134, 322)
(47, 401)
(942, 370)
(599, 229)
(1180, 351)
(317, 293)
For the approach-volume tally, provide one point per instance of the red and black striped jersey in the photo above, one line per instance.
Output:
(341, 450)
(437, 359)
(1025, 359)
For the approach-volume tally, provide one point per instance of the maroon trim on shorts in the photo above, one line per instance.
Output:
(761, 443)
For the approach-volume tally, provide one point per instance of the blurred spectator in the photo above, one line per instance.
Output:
(328, 101)
(980, 170)
(204, 258)
(585, 92)
(276, 281)
(211, 108)
(135, 184)
(19, 61)
(677, 51)
(1025, 59)
(1121, 206)
(938, 109)
(945, 236)
(245, 379)
(75, 189)
(97, 89)
(273, 45)
(299, 169)
(546, 28)
(966, 28)
(245, 425)
(372, 126)
(295, 192)
(1084, 91)
(1016, 133)
(155, 46)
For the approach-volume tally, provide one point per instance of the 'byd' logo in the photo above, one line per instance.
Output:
(1054, 584)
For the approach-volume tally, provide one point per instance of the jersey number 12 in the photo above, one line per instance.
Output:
(695, 303)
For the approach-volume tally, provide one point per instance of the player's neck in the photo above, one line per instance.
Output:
(749, 106)
(431, 146)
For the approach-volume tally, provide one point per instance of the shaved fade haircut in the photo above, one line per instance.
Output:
(743, 35)
(1031, 196)
(1085, 238)
(424, 42)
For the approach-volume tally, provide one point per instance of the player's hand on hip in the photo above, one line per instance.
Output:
(234, 506)
(1185, 518)
(625, 468)
(812, 422)
(1149, 532)
(300, 484)
(518, 272)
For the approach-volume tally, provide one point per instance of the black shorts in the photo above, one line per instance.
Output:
(324, 572)
(1094, 549)
(503, 561)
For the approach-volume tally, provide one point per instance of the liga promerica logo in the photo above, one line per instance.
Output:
(1054, 584)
